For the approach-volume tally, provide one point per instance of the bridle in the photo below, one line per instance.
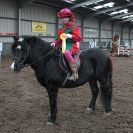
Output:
(49, 53)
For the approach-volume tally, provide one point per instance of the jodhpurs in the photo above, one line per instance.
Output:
(68, 55)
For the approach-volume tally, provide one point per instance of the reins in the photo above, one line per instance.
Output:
(41, 58)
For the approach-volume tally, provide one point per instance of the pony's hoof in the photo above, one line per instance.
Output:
(89, 110)
(107, 114)
(49, 115)
(50, 123)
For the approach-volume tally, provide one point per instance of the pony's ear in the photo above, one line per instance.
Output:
(15, 38)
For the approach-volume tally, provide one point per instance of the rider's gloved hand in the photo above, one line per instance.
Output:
(69, 36)
(52, 44)
(77, 44)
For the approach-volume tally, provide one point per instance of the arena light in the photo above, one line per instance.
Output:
(113, 13)
(129, 16)
(69, 1)
(97, 1)
(110, 4)
(98, 7)
(125, 17)
(121, 11)
(90, 3)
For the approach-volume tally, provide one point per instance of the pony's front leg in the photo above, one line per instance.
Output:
(52, 93)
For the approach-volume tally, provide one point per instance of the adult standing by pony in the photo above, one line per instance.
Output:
(72, 36)
(115, 45)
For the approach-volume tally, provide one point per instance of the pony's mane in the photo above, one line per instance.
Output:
(34, 39)
(31, 40)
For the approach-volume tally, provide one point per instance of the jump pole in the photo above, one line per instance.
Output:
(1, 48)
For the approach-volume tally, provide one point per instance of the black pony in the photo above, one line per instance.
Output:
(95, 65)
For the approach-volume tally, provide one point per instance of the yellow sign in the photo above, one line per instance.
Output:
(38, 27)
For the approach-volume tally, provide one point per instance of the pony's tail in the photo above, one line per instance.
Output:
(106, 87)
(109, 74)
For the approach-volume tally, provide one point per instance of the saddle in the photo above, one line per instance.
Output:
(63, 63)
(64, 66)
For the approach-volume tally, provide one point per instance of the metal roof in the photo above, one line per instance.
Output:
(118, 11)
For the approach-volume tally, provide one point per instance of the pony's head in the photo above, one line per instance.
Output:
(21, 53)
(28, 50)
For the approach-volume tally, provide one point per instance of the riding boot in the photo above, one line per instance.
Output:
(74, 70)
